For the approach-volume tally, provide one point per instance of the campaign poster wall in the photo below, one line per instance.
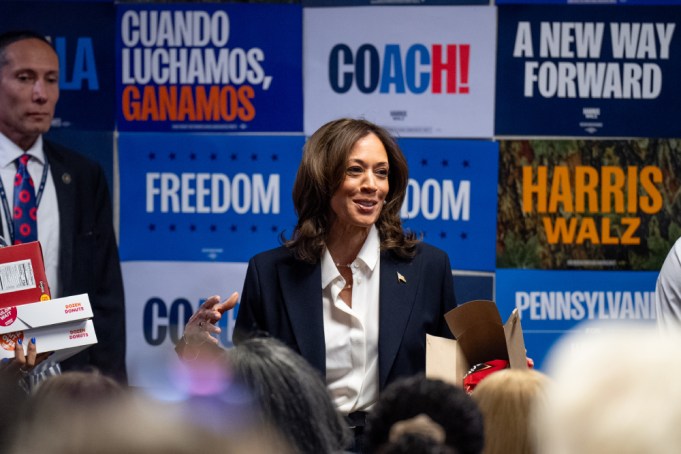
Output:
(420, 72)
(551, 303)
(587, 204)
(205, 197)
(84, 116)
(588, 71)
(451, 198)
(209, 67)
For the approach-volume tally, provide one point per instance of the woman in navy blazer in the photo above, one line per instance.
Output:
(281, 297)
(350, 291)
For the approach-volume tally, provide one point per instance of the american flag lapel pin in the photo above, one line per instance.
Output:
(401, 278)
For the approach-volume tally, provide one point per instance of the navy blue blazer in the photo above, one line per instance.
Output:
(88, 256)
(282, 296)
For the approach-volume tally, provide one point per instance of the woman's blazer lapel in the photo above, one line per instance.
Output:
(399, 282)
(301, 288)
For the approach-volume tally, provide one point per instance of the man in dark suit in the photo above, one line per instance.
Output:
(74, 216)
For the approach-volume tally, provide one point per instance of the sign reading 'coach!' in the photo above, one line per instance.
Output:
(209, 68)
(420, 72)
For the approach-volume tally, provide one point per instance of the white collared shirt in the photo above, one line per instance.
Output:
(351, 333)
(48, 209)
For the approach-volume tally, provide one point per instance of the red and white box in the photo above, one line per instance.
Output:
(22, 275)
(61, 325)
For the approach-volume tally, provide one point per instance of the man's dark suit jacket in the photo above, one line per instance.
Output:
(88, 256)
(282, 296)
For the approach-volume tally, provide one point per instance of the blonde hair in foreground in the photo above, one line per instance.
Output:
(507, 399)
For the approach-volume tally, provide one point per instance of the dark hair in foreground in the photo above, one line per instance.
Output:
(411, 444)
(322, 171)
(447, 406)
(12, 399)
(291, 394)
(13, 36)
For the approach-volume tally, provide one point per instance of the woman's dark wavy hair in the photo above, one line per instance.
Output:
(322, 171)
(291, 395)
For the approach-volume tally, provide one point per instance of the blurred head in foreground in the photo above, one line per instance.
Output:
(291, 395)
(507, 399)
(420, 415)
(615, 390)
(136, 425)
(87, 412)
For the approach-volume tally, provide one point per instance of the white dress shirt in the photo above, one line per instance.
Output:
(351, 333)
(48, 209)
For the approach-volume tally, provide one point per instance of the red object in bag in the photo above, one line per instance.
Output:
(480, 371)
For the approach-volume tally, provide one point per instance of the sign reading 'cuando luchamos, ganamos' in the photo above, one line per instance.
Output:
(223, 68)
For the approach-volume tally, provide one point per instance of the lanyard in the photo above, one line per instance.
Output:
(5, 203)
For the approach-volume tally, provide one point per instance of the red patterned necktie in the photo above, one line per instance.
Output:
(25, 209)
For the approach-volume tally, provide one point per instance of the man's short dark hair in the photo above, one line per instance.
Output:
(11, 37)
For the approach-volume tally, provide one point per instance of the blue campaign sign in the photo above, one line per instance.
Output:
(200, 197)
(452, 198)
(209, 67)
(86, 56)
(588, 71)
(551, 303)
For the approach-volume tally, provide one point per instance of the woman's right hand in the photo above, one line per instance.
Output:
(202, 326)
